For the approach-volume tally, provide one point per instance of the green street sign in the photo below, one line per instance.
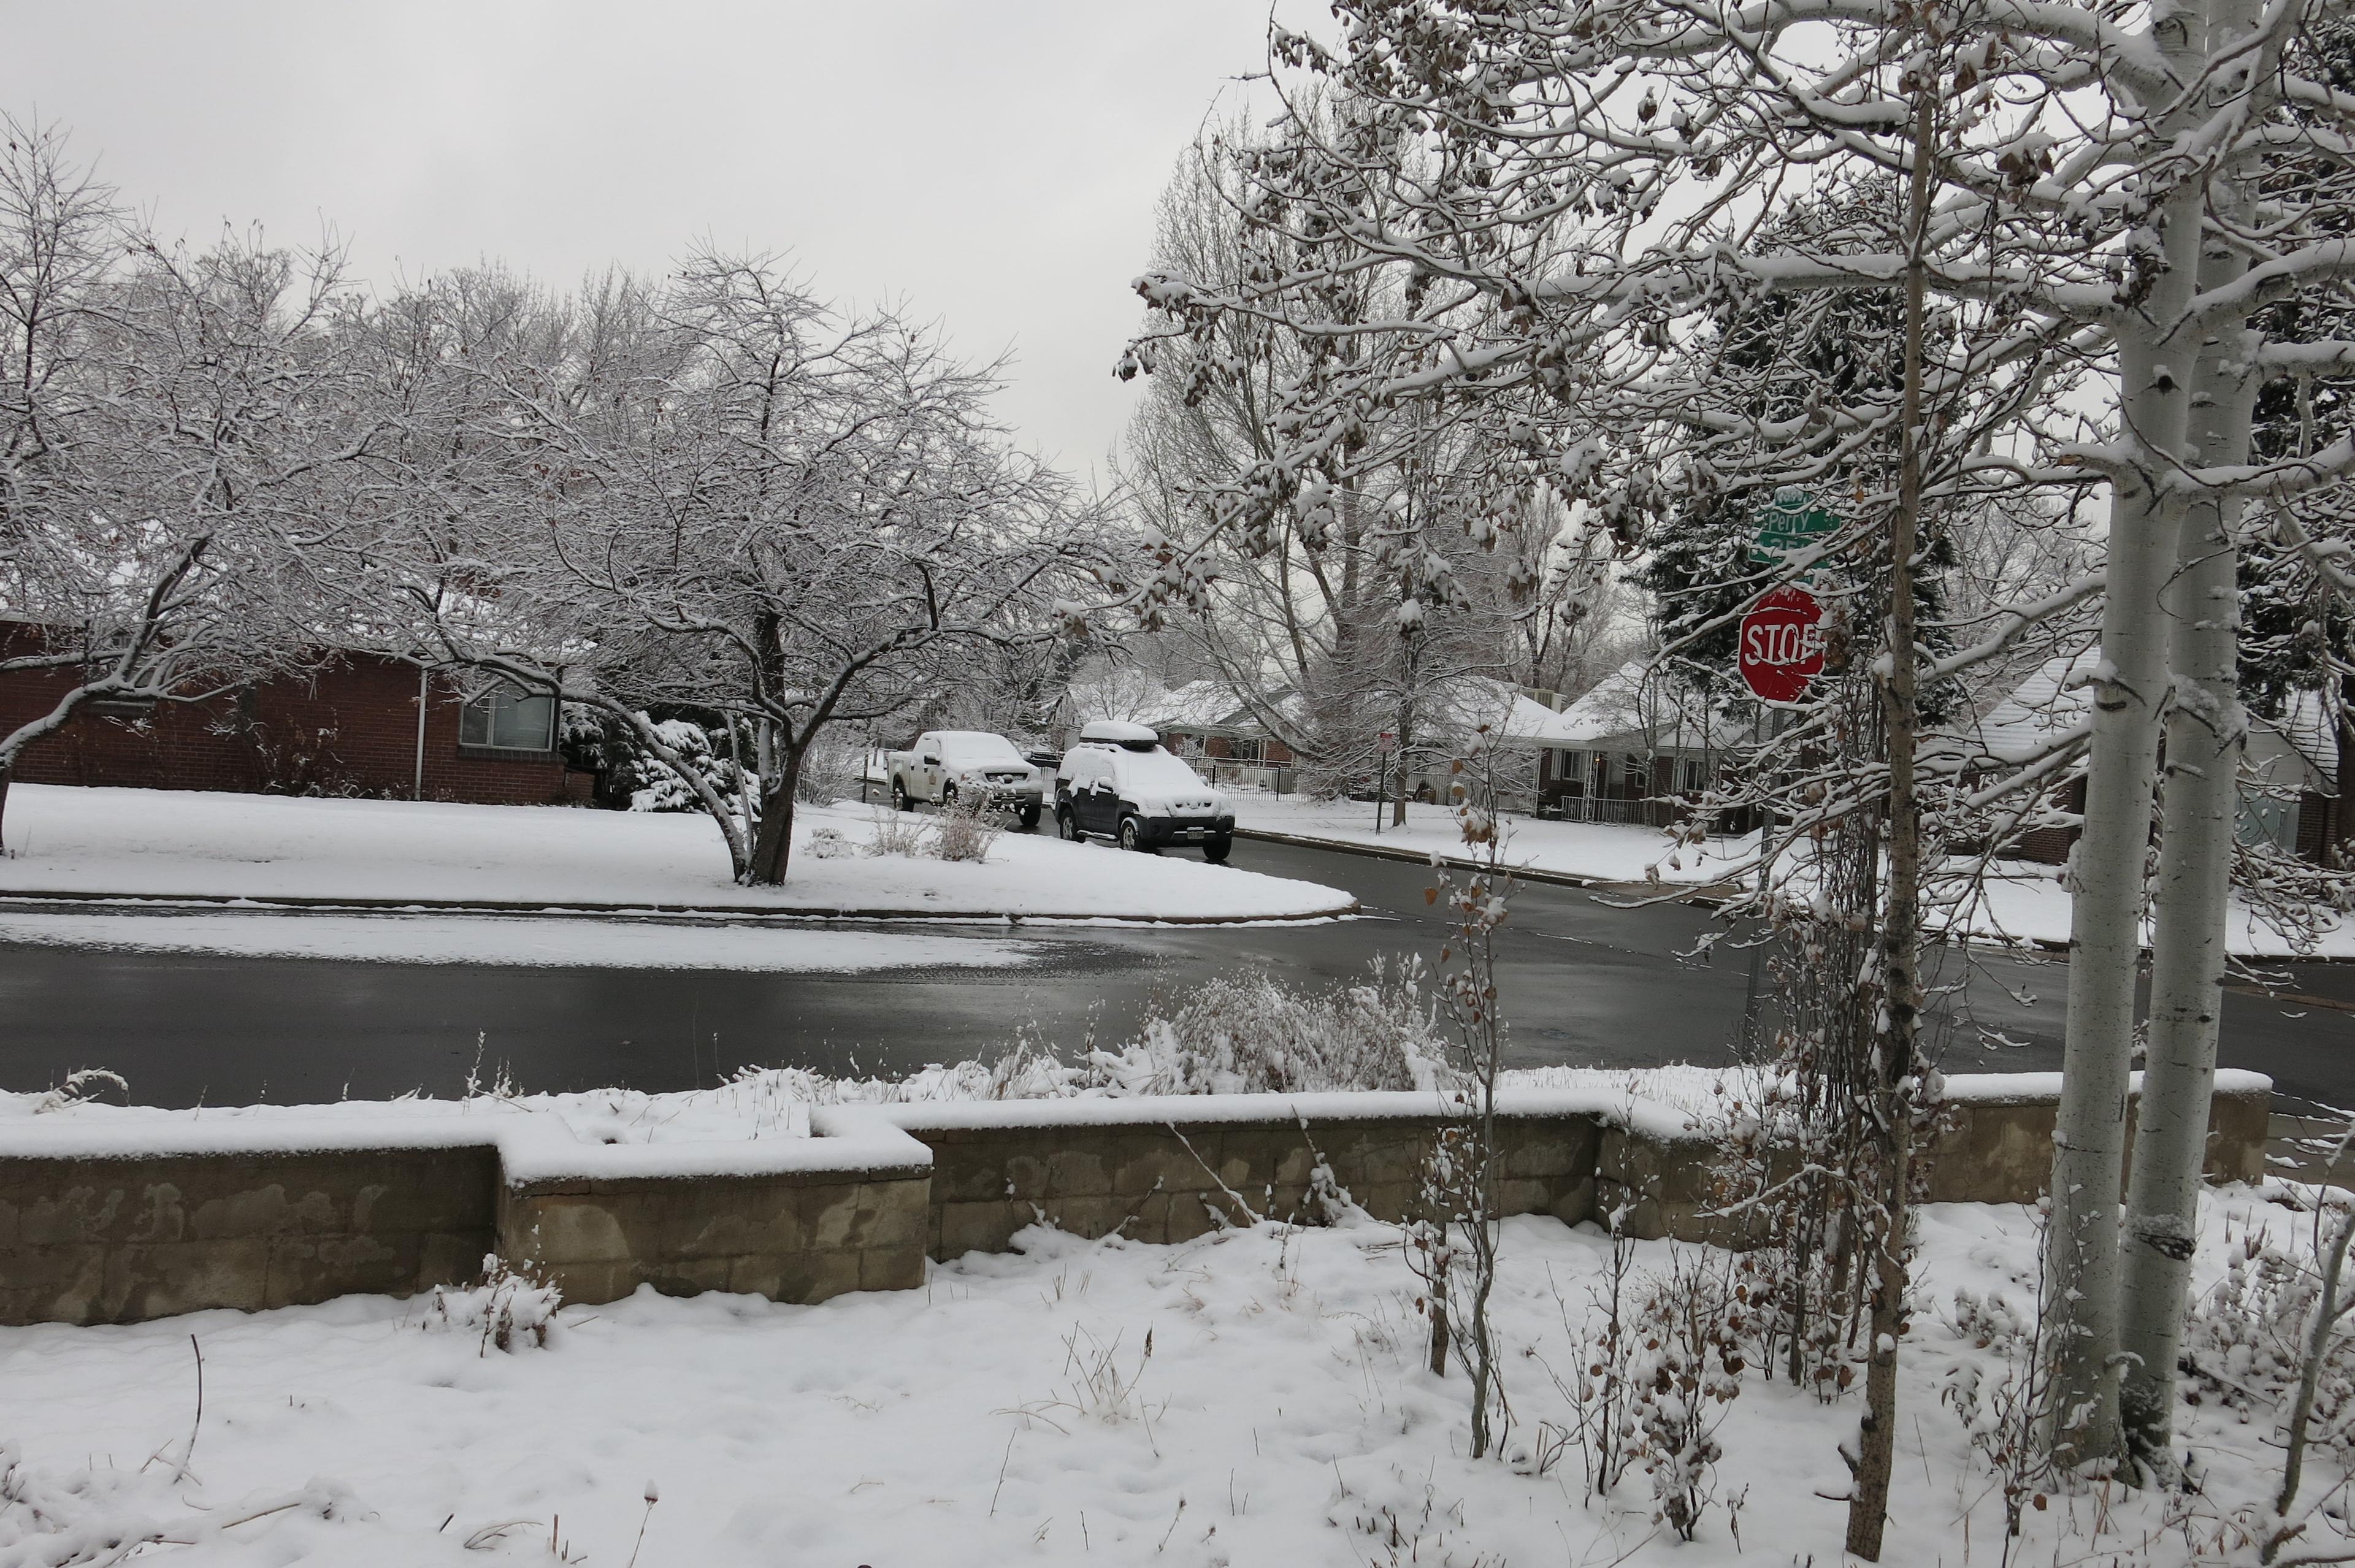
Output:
(1790, 522)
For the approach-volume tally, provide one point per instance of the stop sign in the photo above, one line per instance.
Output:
(1782, 646)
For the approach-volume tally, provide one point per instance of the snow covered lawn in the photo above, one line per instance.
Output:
(1602, 852)
(1251, 1398)
(2022, 902)
(165, 844)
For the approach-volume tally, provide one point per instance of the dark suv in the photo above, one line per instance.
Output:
(1119, 782)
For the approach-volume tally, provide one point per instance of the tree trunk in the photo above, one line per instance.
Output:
(2156, 352)
(1895, 1072)
(774, 846)
(2206, 732)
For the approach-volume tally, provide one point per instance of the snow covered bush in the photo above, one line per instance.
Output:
(2244, 1344)
(651, 783)
(1250, 1034)
(510, 1309)
(2000, 1406)
(829, 772)
(1686, 1370)
(897, 833)
(828, 844)
(82, 1085)
(968, 825)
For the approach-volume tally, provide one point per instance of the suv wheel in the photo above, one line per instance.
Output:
(1216, 850)
(1132, 835)
(1031, 819)
(1067, 827)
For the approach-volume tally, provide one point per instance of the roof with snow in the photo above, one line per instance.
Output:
(1197, 704)
(2057, 700)
(2052, 703)
(1638, 706)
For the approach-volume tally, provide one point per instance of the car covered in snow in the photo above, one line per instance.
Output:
(1120, 783)
(944, 765)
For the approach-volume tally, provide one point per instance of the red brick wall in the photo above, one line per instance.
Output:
(350, 728)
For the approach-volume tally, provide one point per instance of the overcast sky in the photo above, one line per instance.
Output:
(995, 162)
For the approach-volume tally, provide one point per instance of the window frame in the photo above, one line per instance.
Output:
(486, 703)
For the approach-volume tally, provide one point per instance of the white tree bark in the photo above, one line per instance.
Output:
(2206, 730)
(2156, 346)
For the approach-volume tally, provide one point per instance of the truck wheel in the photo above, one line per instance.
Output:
(948, 796)
(1029, 819)
(1132, 835)
(899, 801)
(1216, 850)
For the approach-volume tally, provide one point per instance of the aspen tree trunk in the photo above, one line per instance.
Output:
(2156, 352)
(1895, 1068)
(2205, 734)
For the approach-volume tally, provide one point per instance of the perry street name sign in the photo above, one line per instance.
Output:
(1789, 523)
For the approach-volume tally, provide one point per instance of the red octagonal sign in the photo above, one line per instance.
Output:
(1781, 649)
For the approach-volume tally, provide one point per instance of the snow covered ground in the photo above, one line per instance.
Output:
(1599, 851)
(2022, 902)
(165, 844)
(1256, 1397)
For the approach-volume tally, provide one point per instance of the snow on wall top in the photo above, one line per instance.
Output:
(757, 1127)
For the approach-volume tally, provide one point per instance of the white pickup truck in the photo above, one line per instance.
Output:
(944, 764)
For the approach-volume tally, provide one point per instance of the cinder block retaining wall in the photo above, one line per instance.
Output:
(99, 1229)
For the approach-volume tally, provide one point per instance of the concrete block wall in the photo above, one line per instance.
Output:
(793, 1236)
(126, 1236)
(124, 1240)
(1167, 1182)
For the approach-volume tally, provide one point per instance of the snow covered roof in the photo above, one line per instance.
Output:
(2042, 708)
(1636, 706)
(1197, 704)
(1469, 701)
(2058, 699)
(2306, 722)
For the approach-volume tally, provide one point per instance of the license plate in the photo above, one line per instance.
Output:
(1193, 833)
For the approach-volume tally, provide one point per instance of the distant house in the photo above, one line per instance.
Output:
(2289, 772)
(1624, 751)
(351, 726)
(1203, 723)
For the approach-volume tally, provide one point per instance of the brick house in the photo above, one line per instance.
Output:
(1200, 721)
(2289, 769)
(1625, 751)
(348, 726)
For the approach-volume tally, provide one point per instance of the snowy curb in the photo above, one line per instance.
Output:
(1704, 895)
(583, 910)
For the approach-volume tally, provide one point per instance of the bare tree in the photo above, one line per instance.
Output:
(175, 431)
(720, 497)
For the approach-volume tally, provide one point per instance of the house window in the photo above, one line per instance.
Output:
(506, 718)
(1244, 749)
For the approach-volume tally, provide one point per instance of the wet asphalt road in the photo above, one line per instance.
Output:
(1584, 982)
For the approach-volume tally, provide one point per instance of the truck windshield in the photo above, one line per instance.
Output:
(978, 748)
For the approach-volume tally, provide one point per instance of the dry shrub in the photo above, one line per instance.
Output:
(1250, 1034)
(968, 827)
(897, 833)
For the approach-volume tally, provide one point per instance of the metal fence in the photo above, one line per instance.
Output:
(1601, 808)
